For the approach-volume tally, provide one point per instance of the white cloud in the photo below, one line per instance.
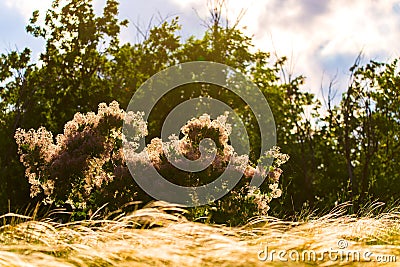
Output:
(324, 37)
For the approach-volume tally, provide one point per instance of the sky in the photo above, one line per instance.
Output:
(321, 38)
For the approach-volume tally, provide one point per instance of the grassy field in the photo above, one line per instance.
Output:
(159, 235)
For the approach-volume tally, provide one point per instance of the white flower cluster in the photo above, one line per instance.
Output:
(278, 157)
(90, 148)
(87, 145)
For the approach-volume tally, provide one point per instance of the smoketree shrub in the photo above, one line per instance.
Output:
(85, 166)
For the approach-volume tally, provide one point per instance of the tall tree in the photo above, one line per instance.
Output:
(75, 64)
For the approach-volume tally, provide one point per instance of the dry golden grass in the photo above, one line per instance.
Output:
(174, 241)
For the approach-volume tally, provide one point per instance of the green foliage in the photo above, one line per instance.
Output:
(131, 65)
(15, 96)
(74, 65)
(367, 126)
